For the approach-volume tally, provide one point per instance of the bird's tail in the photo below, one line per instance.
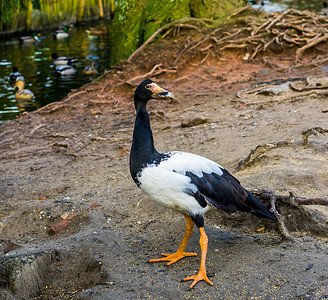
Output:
(258, 208)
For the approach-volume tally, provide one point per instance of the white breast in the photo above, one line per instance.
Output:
(168, 187)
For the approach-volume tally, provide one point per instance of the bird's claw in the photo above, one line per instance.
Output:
(200, 276)
(172, 258)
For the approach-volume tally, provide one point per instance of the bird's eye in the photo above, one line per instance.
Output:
(148, 86)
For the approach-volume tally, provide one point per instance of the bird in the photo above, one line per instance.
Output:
(21, 93)
(185, 182)
(62, 60)
(94, 30)
(29, 39)
(65, 69)
(61, 34)
(15, 76)
(90, 70)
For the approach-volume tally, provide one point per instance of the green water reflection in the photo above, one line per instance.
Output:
(35, 63)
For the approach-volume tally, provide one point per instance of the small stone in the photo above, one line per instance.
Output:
(66, 198)
(193, 121)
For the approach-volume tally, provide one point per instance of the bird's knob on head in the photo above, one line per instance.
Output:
(148, 89)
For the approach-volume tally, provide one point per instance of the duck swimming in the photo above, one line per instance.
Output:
(29, 39)
(90, 70)
(21, 93)
(61, 34)
(93, 30)
(65, 69)
(15, 76)
(62, 60)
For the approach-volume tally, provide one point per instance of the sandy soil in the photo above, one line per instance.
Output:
(72, 157)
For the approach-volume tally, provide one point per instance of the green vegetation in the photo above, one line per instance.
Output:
(136, 20)
(27, 15)
(133, 23)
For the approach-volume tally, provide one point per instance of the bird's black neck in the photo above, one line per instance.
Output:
(143, 151)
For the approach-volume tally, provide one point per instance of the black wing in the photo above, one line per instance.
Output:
(225, 192)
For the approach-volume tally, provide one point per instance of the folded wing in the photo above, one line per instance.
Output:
(215, 185)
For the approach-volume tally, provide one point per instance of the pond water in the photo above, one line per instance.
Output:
(280, 5)
(35, 63)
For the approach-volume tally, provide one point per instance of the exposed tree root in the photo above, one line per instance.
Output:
(311, 43)
(310, 131)
(177, 23)
(263, 34)
(262, 149)
(54, 106)
(258, 151)
(290, 199)
(156, 70)
(288, 29)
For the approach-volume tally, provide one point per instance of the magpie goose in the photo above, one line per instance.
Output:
(184, 182)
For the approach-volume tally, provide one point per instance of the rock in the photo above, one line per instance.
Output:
(85, 295)
(193, 121)
(9, 246)
(319, 216)
(276, 90)
(25, 272)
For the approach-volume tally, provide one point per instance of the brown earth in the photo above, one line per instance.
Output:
(72, 157)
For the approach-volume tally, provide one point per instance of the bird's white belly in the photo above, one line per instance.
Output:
(167, 188)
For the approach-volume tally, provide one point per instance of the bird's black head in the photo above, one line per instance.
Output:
(54, 55)
(148, 90)
(15, 69)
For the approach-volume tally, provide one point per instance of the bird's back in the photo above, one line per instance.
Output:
(215, 185)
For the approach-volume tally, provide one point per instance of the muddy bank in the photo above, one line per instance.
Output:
(70, 159)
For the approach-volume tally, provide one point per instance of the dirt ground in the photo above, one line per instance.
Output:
(72, 157)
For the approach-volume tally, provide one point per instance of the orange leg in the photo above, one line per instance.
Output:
(174, 257)
(203, 241)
